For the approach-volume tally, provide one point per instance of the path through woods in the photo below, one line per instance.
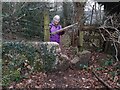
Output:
(72, 77)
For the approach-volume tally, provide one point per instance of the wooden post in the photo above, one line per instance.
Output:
(81, 41)
(65, 12)
(46, 26)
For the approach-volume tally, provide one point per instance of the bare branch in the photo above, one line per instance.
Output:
(103, 82)
(116, 54)
(102, 35)
(64, 28)
(20, 17)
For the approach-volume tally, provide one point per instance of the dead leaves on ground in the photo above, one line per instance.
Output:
(74, 78)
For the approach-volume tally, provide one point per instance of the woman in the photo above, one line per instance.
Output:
(55, 26)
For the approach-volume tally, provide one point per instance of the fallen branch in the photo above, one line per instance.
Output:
(84, 28)
(105, 22)
(110, 27)
(116, 51)
(102, 35)
(64, 28)
(103, 82)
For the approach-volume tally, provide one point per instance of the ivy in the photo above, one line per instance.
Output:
(20, 59)
(48, 57)
(17, 57)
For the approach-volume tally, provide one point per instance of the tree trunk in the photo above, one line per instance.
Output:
(79, 11)
(65, 13)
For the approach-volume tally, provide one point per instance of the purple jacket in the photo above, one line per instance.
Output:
(55, 37)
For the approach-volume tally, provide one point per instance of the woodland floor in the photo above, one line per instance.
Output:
(72, 78)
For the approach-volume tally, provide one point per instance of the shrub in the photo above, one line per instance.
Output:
(19, 60)
(48, 57)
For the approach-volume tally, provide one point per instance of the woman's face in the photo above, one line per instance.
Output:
(56, 22)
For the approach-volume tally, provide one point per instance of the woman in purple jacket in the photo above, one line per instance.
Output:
(55, 26)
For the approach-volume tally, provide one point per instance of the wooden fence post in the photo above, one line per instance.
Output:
(81, 35)
(46, 27)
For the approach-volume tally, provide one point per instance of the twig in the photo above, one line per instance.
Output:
(112, 28)
(102, 35)
(113, 43)
(112, 9)
(119, 38)
(103, 82)
(111, 20)
(105, 22)
(116, 51)
(14, 9)
(20, 17)
(25, 3)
